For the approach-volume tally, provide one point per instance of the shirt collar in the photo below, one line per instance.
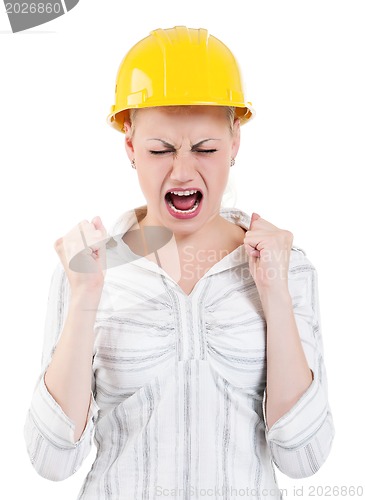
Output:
(118, 252)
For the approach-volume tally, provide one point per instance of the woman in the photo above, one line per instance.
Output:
(190, 340)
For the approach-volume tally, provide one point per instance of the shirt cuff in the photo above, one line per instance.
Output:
(53, 423)
(302, 420)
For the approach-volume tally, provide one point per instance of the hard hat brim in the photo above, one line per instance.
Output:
(117, 118)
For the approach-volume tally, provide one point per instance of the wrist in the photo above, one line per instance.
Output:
(275, 296)
(85, 299)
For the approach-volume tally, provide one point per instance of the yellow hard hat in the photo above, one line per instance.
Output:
(178, 66)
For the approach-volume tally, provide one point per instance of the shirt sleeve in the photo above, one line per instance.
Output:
(300, 441)
(48, 431)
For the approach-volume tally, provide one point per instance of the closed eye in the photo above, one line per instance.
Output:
(163, 151)
(205, 150)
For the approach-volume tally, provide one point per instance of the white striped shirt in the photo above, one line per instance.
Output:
(179, 384)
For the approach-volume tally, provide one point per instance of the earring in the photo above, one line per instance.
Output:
(233, 161)
(133, 163)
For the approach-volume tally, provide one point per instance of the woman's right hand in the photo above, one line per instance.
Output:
(82, 252)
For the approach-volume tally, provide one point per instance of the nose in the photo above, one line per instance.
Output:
(183, 168)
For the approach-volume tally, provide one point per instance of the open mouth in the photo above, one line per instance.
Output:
(183, 202)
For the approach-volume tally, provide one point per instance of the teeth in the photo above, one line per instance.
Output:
(184, 193)
(192, 209)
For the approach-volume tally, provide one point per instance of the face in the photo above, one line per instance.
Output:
(182, 150)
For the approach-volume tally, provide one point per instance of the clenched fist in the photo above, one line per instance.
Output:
(82, 252)
(268, 249)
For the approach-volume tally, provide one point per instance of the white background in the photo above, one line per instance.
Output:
(299, 167)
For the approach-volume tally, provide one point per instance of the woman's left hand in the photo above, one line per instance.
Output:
(268, 248)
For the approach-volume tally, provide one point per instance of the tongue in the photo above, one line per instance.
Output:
(183, 202)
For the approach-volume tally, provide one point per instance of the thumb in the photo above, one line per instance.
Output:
(254, 217)
(98, 224)
(101, 247)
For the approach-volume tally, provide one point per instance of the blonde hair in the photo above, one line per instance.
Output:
(230, 111)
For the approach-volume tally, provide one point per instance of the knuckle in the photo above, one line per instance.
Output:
(83, 223)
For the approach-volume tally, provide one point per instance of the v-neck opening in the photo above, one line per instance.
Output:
(234, 215)
(209, 272)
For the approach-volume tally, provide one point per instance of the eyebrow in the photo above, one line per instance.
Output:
(171, 146)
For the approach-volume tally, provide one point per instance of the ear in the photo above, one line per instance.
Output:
(128, 140)
(236, 136)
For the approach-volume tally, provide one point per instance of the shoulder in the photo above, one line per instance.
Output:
(299, 262)
(302, 279)
(58, 276)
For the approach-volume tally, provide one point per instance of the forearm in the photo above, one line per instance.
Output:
(288, 373)
(68, 377)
